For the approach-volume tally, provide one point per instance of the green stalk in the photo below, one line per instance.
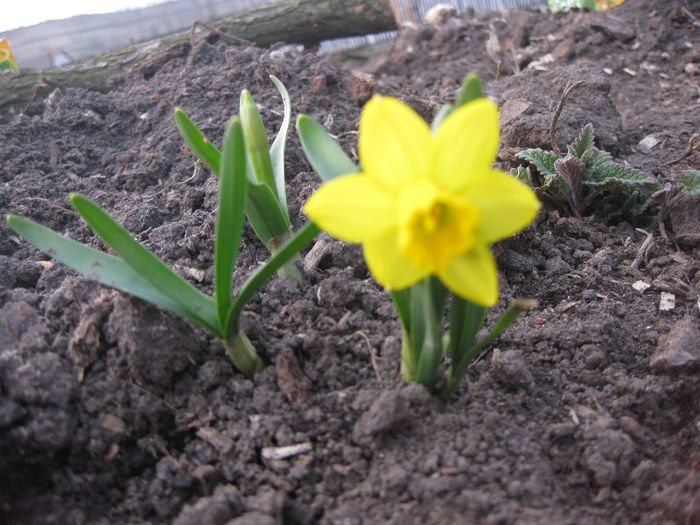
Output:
(457, 369)
(256, 143)
(431, 296)
(289, 268)
(242, 353)
(262, 274)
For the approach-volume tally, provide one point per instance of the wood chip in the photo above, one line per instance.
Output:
(287, 451)
(216, 439)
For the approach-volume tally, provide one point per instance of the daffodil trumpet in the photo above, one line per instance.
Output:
(426, 206)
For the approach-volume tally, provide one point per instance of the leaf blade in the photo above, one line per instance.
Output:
(279, 144)
(104, 268)
(229, 216)
(324, 154)
(142, 260)
(200, 146)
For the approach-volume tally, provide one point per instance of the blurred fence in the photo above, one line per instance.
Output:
(413, 11)
(58, 42)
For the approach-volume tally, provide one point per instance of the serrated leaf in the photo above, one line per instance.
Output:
(541, 159)
(324, 154)
(690, 182)
(111, 271)
(200, 146)
(278, 145)
(602, 170)
(583, 142)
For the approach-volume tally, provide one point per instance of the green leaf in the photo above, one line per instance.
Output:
(262, 274)
(205, 150)
(324, 154)
(583, 142)
(243, 355)
(430, 294)
(601, 170)
(690, 182)
(144, 262)
(466, 319)
(264, 213)
(541, 159)
(110, 271)
(470, 90)
(457, 369)
(442, 114)
(256, 144)
(278, 145)
(229, 217)
(523, 174)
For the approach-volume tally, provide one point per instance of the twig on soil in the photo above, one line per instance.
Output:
(643, 249)
(693, 145)
(373, 356)
(552, 126)
(695, 19)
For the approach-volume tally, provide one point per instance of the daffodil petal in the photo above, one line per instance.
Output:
(473, 276)
(352, 208)
(465, 144)
(389, 267)
(506, 205)
(393, 143)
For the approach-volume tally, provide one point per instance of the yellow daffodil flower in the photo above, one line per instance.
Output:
(7, 61)
(427, 204)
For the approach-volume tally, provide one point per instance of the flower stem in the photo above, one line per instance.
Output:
(457, 370)
(289, 268)
(243, 354)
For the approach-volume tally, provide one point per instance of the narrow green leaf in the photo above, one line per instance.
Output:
(431, 299)
(300, 239)
(256, 144)
(229, 217)
(324, 154)
(205, 150)
(108, 270)
(278, 145)
(442, 114)
(402, 302)
(142, 260)
(466, 319)
(458, 369)
(264, 213)
(470, 90)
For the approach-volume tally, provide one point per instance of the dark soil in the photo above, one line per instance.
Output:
(586, 411)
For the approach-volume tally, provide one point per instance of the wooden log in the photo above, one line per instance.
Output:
(306, 22)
